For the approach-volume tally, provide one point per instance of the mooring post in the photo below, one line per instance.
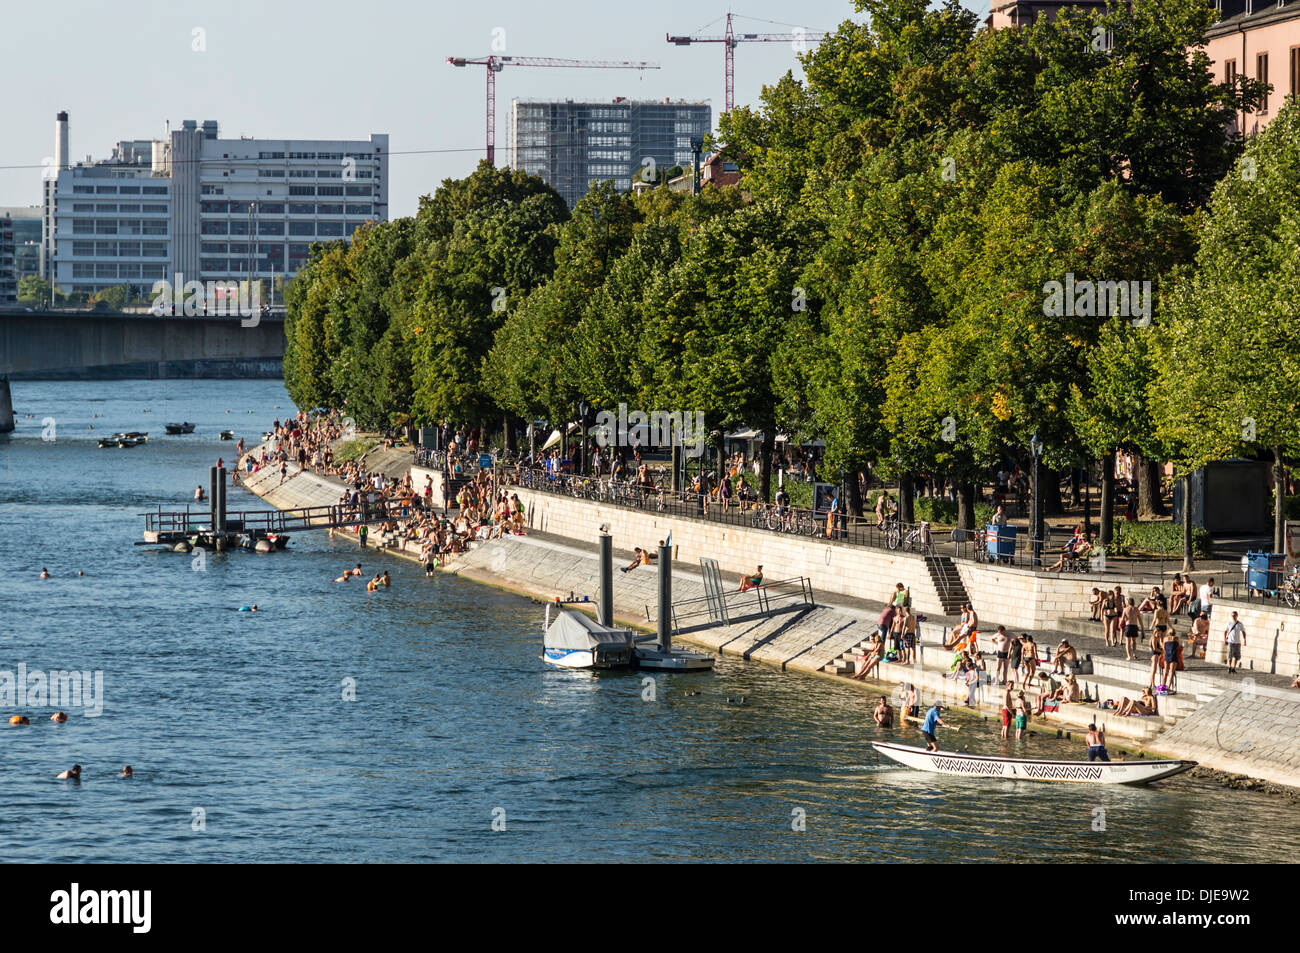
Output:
(665, 598)
(606, 607)
(213, 482)
(219, 523)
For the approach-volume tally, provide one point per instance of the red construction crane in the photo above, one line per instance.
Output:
(731, 38)
(496, 64)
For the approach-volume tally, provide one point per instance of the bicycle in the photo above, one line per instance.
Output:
(917, 539)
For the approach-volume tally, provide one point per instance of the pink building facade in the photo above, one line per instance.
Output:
(1258, 38)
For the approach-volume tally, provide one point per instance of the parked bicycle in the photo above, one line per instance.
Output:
(918, 539)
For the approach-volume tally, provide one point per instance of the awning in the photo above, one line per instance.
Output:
(552, 440)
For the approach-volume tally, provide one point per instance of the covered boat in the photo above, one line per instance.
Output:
(574, 639)
(175, 428)
(1143, 771)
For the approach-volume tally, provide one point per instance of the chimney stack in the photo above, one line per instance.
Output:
(61, 140)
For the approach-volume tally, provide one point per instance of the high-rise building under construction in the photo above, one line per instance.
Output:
(572, 144)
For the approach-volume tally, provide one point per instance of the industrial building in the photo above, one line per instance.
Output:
(206, 208)
(572, 144)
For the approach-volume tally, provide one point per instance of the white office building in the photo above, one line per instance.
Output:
(206, 208)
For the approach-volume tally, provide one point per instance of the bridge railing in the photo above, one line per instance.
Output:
(329, 516)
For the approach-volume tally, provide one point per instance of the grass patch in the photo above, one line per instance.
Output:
(352, 449)
(1159, 539)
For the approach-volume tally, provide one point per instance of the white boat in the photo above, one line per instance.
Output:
(576, 640)
(1024, 769)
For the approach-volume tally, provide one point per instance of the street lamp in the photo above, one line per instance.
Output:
(1036, 518)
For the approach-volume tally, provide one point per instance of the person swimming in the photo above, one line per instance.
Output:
(388, 580)
(253, 607)
(45, 573)
(126, 772)
(59, 716)
(72, 774)
(347, 574)
(19, 720)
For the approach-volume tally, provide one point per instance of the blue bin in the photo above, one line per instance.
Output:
(1265, 570)
(1001, 542)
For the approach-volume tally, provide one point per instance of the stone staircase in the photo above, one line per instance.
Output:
(947, 583)
(1112, 678)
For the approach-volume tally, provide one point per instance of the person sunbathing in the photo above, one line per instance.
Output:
(1145, 705)
(1066, 655)
(868, 662)
(751, 581)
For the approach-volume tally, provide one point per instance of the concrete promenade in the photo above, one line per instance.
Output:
(1247, 724)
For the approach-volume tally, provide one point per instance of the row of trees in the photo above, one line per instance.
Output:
(883, 277)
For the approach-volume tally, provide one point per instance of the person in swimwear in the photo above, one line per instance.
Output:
(1097, 743)
(59, 716)
(884, 714)
(72, 774)
(126, 772)
(45, 573)
(387, 580)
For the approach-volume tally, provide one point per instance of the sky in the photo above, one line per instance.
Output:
(343, 69)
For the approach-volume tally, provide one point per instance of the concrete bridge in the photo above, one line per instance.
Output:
(108, 345)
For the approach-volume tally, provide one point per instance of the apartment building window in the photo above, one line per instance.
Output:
(106, 228)
(153, 250)
(106, 271)
(1295, 71)
(299, 208)
(128, 271)
(214, 228)
(329, 190)
(83, 249)
(270, 228)
(106, 190)
(154, 190)
(302, 228)
(128, 249)
(83, 207)
(83, 190)
(153, 228)
(212, 248)
(106, 249)
(210, 207)
(272, 208)
(270, 173)
(238, 248)
(128, 190)
(153, 271)
(213, 264)
(351, 227)
(1261, 74)
(330, 209)
(270, 155)
(105, 208)
(155, 209)
(83, 270)
(329, 229)
(239, 227)
(130, 208)
(359, 190)
(302, 190)
(358, 209)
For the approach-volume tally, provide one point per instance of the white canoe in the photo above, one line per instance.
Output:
(1024, 769)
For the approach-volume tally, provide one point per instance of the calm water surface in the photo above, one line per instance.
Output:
(456, 718)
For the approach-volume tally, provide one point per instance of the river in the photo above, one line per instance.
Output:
(461, 744)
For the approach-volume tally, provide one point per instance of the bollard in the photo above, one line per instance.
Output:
(665, 598)
(606, 607)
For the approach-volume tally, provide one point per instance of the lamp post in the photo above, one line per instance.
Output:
(1036, 517)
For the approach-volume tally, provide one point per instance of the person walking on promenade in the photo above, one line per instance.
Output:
(1133, 624)
(1234, 637)
(1097, 743)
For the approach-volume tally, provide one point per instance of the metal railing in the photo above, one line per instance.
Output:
(333, 515)
(782, 595)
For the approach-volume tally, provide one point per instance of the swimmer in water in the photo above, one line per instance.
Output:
(45, 573)
(357, 571)
(126, 772)
(372, 585)
(80, 573)
(198, 492)
(72, 774)
(19, 720)
(347, 574)
(388, 580)
(59, 716)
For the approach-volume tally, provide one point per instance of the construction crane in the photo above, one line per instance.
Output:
(729, 41)
(496, 64)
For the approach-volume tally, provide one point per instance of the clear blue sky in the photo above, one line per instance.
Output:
(347, 68)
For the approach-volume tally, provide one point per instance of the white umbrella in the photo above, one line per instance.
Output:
(552, 440)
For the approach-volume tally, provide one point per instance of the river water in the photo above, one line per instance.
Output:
(245, 749)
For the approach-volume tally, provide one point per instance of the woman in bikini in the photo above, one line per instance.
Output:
(1114, 608)
(1029, 659)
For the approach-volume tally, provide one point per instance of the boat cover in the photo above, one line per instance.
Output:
(576, 630)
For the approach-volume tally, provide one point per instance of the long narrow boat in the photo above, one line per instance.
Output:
(1024, 769)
